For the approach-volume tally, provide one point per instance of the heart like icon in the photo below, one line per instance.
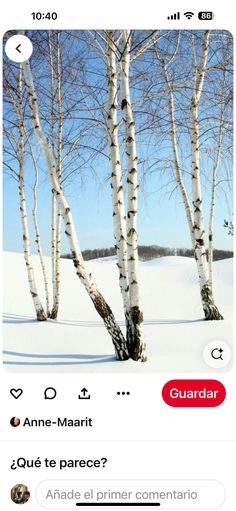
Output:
(16, 393)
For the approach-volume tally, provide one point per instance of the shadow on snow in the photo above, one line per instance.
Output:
(72, 359)
(17, 318)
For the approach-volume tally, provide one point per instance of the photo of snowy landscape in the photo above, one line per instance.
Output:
(118, 216)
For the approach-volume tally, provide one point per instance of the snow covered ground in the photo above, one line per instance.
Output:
(78, 342)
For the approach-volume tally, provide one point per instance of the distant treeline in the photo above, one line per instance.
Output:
(147, 252)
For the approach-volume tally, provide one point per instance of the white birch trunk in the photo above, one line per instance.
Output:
(213, 189)
(53, 243)
(119, 217)
(37, 234)
(137, 349)
(85, 277)
(210, 310)
(212, 210)
(57, 269)
(178, 170)
(40, 314)
(56, 304)
(53, 314)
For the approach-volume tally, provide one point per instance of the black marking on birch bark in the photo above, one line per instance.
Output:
(200, 242)
(54, 312)
(136, 344)
(105, 312)
(124, 103)
(76, 263)
(67, 233)
(80, 275)
(41, 316)
(131, 212)
(210, 309)
(137, 315)
(131, 231)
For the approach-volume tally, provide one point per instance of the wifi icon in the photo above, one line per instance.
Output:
(189, 15)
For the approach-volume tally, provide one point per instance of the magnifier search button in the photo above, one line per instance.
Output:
(217, 354)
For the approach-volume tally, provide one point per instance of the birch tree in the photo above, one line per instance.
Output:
(84, 275)
(56, 144)
(37, 232)
(216, 164)
(53, 313)
(119, 215)
(119, 48)
(210, 309)
(17, 105)
(59, 174)
(137, 347)
(127, 255)
(194, 84)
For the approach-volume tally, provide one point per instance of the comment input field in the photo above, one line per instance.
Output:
(164, 494)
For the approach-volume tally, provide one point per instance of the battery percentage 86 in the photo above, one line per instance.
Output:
(206, 15)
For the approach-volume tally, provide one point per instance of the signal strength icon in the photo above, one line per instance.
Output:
(175, 16)
(189, 15)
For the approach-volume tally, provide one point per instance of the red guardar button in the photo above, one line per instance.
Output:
(193, 393)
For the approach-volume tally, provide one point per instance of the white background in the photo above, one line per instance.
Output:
(142, 416)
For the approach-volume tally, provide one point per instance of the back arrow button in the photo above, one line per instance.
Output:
(18, 48)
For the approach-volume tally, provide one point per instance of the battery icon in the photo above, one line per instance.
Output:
(206, 15)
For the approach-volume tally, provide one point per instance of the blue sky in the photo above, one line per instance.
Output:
(161, 217)
(161, 221)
